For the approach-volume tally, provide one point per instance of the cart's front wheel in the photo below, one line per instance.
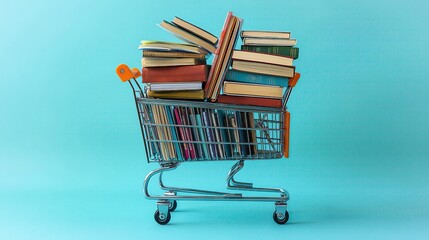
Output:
(172, 206)
(281, 219)
(162, 218)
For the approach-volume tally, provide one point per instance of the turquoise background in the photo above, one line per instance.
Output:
(72, 158)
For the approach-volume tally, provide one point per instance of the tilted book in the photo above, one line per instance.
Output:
(187, 36)
(222, 56)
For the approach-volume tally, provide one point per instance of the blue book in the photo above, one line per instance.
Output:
(202, 136)
(247, 77)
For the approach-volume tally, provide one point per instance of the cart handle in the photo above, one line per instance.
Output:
(126, 74)
(291, 84)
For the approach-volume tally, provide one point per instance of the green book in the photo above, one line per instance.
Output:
(292, 52)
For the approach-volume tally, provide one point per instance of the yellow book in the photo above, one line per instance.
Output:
(191, 94)
(252, 90)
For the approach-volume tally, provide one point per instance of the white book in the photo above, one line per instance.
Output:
(269, 42)
(175, 86)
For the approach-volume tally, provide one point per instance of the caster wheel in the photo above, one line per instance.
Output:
(172, 206)
(281, 221)
(161, 218)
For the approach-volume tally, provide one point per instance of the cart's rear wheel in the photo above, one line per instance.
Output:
(162, 218)
(172, 206)
(281, 220)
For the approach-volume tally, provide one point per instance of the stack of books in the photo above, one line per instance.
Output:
(261, 69)
(174, 70)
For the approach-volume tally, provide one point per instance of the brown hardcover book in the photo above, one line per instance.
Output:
(222, 57)
(252, 101)
(196, 73)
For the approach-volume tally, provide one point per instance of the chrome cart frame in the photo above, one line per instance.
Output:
(176, 131)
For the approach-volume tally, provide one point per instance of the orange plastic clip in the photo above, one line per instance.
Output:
(125, 73)
(286, 133)
(294, 80)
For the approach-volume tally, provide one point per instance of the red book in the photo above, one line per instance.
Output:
(252, 101)
(196, 73)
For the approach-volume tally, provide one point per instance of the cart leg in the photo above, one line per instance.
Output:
(235, 185)
(281, 215)
(172, 203)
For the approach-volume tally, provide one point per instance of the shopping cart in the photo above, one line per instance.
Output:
(176, 132)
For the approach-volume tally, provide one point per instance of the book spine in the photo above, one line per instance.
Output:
(241, 133)
(195, 134)
(188, 134)
(182, 133)
(147, 53)
(217, 134)
(210, 136)
(246, 77)
(202, 136)
(292, 52)
(175, 135)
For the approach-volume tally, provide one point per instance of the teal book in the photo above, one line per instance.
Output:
(173, 132)
(292, 52)
(202, 136)
(247, 77)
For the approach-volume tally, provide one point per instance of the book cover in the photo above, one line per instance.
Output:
(210, 134)
(255, 78)
(187, 36)
(252, 90)
(190, 95)
(199, 32)
(252, 101)
(195, 73)
(292, 52)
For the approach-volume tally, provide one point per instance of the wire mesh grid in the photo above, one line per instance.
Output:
(180, 131)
